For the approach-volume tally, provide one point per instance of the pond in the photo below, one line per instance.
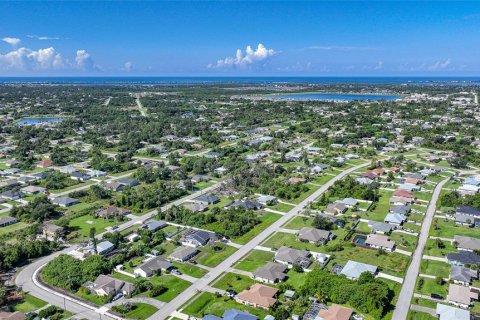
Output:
(38, 121)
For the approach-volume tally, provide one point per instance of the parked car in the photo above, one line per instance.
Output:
(436, 296)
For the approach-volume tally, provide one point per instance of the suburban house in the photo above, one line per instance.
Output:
(65, 201)
(258, 296)
(182, 254)
(153, 266)
(154, 225)
(378, 241)
(103, 248)
(335, 312)
(404, 194)
(446, 312)
(400, 209)
(463, 275)
(11, 195)
(354, 269)
(6, 221)
(232, 314)
(197, 238)
(111, 212)
(33, 190)
(246, 204)
(336, 208)
(290, 257)
(395, 219)
(207, 199)
(129, 182)
(80, 176)
(196, 206)
(108, 286)
(272, 273)
(349, 202)
(315, 236)
(199, 178)
(461, 296)
(266, 200)
(467, 243)
(463, 258)
(380, 227)
(50, 230)
(114, 186)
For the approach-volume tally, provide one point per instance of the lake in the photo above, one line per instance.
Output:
(35, 121)
(335, 96)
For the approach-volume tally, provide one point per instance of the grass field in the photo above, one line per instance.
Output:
(431, 286)
(208, 303)
(84, 223)
(280, 239)
(298, 223)
(190, 269)
(435, 268)
(30, 303)
(432, 248)
(266, 219)
(448, 229)
(141, 311)
(255, 260)
(283, 207)
(174, 285)
(234, 281)
(211, 257)
(404, 241)
(13, 227)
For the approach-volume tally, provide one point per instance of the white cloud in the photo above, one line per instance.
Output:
(439, 65)
(378, 66)
(84, 60)
(246, 59)
(26, 59)
(11, 41)
(128, 66)
(33, 36)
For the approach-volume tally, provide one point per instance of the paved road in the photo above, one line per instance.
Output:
(140, 105)
(26, 277)
(203, 282)
(403, 303)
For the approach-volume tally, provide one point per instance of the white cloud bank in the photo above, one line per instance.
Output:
(47, 59)
(249, 58)
(11, 41)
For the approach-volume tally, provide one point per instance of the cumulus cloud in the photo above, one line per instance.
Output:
(33, 36)
(26, 59)
(45, 60)
(378, 66)
(248, 58)
(11, 41)
(128, 66)
(440, 65)
(84, 60)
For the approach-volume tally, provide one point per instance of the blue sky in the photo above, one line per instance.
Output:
(203, 38)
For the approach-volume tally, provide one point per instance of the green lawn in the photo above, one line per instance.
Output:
(322, 179)
(233, 281)
(12, 228)
(304, 195)
(381, 207)
(84, 223)
(266, 219)
(280, 239)
(298, 223)
(448, 229)
(431, 286)
(435, 268)
(254, 260)
(30, 303)
(212, 256)
(404, 241)
(432, 248)
(208, 303)
(190, 269)
(141, 311)
(415, 315)
(174, 285)
(283, 207)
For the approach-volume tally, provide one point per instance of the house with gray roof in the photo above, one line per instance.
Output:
(267, 199)
(463, 258)
(395, 219)
(108, 286)
(380, 227)
(315, 236)
(154, 225)
(65, 201)
(272, 273)
(197, 238)
(11, 195)
(446, 312)
(6, 221)
(153, 266)
(182, 254)
(290, 257)
(246, 204)
(232, 314)
(196, 206)
(207, 199)
(467, 243)
(400, 209)
(354, 269)
(349, 202)
(463, 275)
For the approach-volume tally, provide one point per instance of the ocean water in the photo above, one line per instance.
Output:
(334, 97)
(158, 81)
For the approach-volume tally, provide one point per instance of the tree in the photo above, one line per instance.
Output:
(323, 223)
(93, 231)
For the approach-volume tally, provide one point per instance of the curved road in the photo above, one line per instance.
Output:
(403, 303)
(26, 276)
(202, 283)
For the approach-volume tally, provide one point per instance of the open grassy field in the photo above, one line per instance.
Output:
(254, 260)
(266, 219)
(12, 228)
(84, 223)
(30, 303)
(448, 229)
(233, 281)
(174, 285)
(431, 286)
(141, 311)
(208, 303)
(212, 256)
(435, 268)
(190, 269)
(298, 223)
